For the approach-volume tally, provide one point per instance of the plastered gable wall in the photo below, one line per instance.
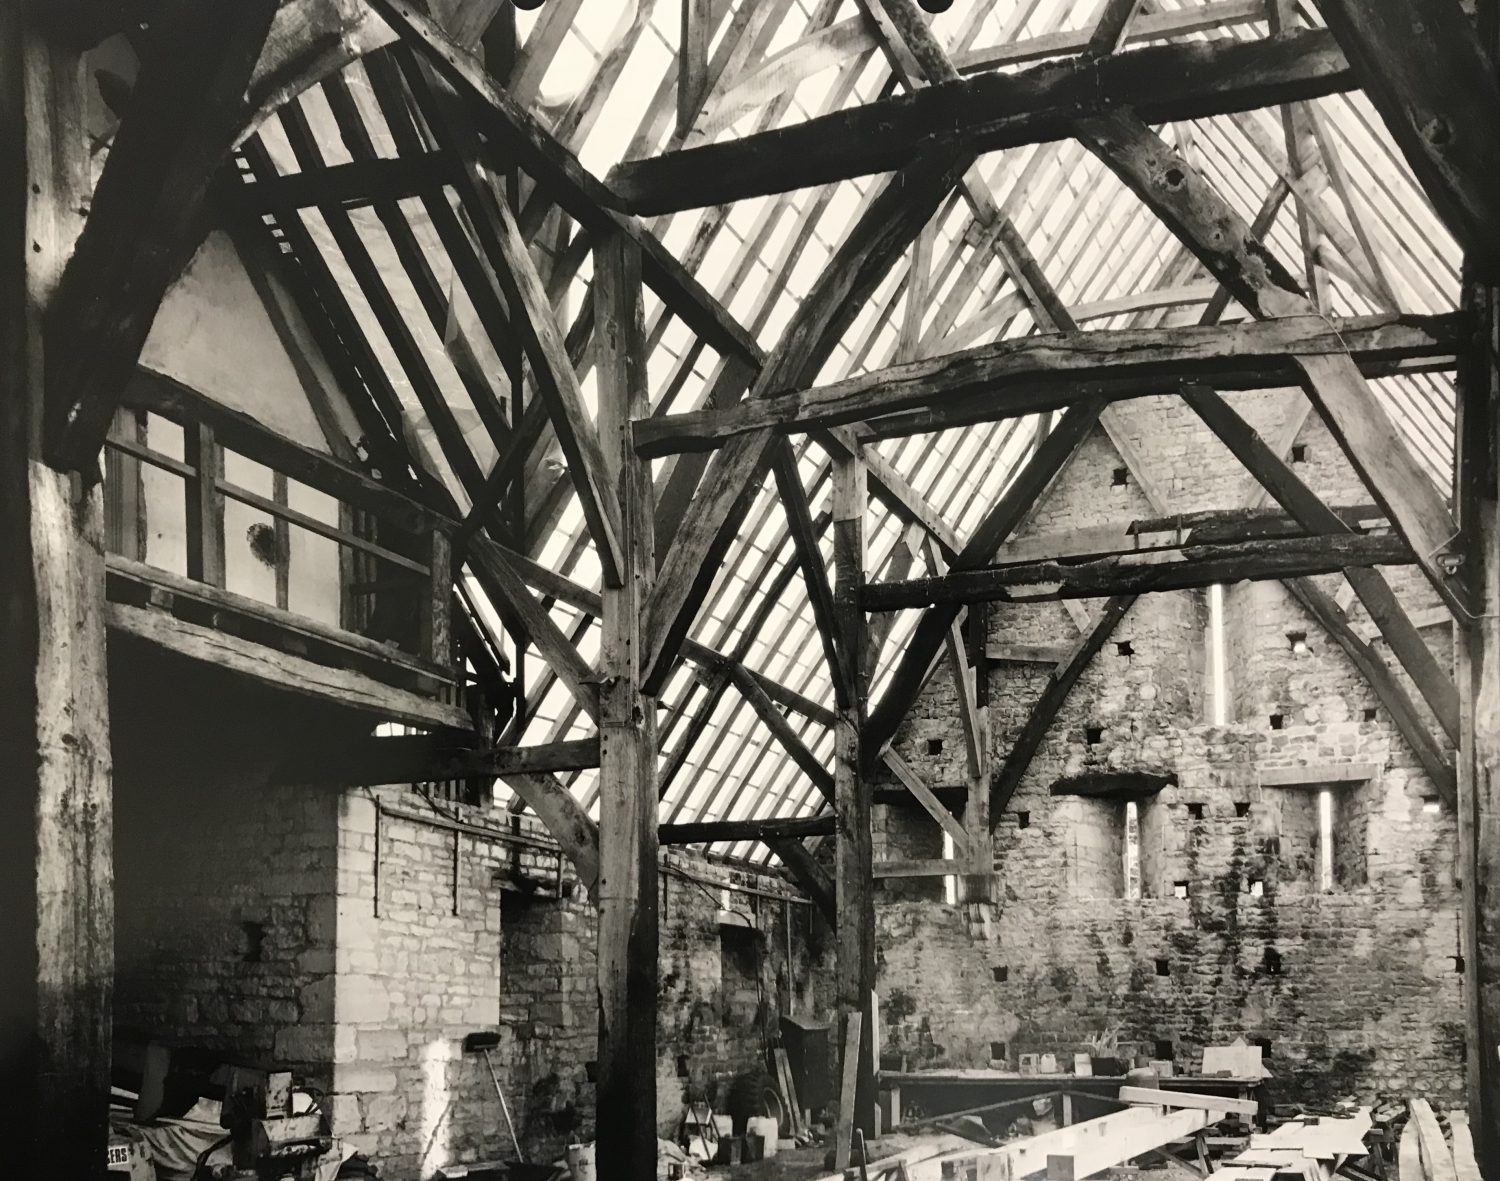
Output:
(1355, 991)
(243, 345)
(215, 334)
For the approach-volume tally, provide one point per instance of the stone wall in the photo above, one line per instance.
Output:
(249, 923)
(1352, 987)
(224, 885)
(517, 957)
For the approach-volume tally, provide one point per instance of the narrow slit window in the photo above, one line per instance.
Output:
(1325, 840)
(1132, 850)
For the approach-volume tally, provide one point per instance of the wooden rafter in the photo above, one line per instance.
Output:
(1164, 83)
(1438, 768)
(776, 722)
(1048, 372)
(572, 827)
(1140, 572)
(1435, 684)
(1059, 684)
(426, 758)
(928, 637)
(1428, 75)
(814, 572)
(147, 216)
(888, 225)
(1204, 222)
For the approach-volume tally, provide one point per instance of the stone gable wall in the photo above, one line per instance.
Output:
(1353, 991)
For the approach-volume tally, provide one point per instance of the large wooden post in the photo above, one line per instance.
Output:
(1479, 747)
(854, 878)
(627, 893)
(56, 887)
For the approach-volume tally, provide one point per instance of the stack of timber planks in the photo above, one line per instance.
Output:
(1426, 1155)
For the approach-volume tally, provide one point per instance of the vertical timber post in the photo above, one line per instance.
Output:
(56, 884)
(627, 894)
(1479, 696)
(854, 877)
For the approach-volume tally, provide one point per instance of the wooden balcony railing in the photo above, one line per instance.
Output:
(178, 467)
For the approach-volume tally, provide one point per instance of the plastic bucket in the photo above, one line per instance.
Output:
(765, 1127)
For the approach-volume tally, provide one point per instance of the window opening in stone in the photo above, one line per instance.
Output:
(1121, 477)
(1163, 967)
(999, 1052)
(1164, 1051)
(1276, 721)
(1132, 850)
(1325, 840)
(1371, 713)
(1179, 889)
(1195, 811)
(1001, 973)
(1219, 681)
(1299, 452)
(1023, 819)
(1093, 832)
(950, 882)
(1242, 808)
(1458, 963)
(1125, 648)
(1271, 960)
(739, 968)
(934, 746)
(1257, 888)
(1431, 805)
(1297, 642)
(1094, 734)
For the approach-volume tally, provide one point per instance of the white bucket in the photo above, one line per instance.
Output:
(765, 1127)
(581, 1162)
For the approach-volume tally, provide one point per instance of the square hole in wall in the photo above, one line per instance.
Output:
(1125, 648)
(1179, 889)
(1371, 713)
(1094, 735)
(1257, 888)
(1195, 811)
(1120, 477)
(1458, 963)
(1163, 967)
(682, 1066)
(1297, 642)
(1242, 808)
(1299, 452)
(1270, 961)
(254, 942)
(1431, 805)
(1023, 819)
(934, 746)
(1163, 1050)
(1001, 973)
(1276, 721)
(999, 1051)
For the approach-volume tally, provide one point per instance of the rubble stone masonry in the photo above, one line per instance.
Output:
(1351, 985)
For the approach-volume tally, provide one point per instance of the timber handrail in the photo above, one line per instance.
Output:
(388, 542)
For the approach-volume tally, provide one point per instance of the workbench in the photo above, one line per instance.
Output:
(951, 1091)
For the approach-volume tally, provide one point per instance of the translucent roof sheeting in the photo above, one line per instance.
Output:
(602, 76)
